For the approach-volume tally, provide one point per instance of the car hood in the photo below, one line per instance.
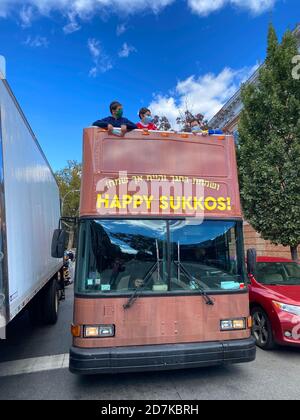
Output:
(291, 293)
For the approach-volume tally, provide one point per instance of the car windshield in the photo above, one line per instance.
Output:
(159, 256)
(278, 273)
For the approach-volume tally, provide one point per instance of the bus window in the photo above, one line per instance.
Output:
(207, 252)
(123, 255)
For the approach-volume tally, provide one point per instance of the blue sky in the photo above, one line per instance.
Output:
(68, 59)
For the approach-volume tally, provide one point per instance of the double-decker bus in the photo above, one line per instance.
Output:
(160, 278)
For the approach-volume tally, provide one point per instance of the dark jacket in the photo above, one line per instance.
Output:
(117, 123)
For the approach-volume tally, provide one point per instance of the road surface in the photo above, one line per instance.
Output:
(33, 365)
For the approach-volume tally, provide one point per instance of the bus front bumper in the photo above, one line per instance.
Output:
(160, 357)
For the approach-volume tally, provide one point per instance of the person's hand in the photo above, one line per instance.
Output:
(110, 128)
(138, 283)
(123, 130)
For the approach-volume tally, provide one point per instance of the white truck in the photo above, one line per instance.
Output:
(29, 216)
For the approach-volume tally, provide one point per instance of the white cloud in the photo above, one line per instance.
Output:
(94, 47)
(205, 7)
(85, 9)
(93, 72)
(205, 94)
(73, 25)
(121, 29)
(256, 6)
(126, 50)
(166, 106)
(36, 42)
(102, 62)
(26, 16)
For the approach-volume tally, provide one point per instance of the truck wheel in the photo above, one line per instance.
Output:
(262, 329)
(50, 303)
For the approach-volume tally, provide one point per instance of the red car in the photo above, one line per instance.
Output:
(275, 302)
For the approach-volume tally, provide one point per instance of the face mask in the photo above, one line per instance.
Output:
(119, 113)
(148, 119)
(196, 129)
(117, 133)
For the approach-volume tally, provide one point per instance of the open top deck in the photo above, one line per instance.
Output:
(159, 174)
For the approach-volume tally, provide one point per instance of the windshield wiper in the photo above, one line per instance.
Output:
(206, 297)
(146, 279)
(137, 292)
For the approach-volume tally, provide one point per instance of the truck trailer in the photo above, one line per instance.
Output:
(29, 216)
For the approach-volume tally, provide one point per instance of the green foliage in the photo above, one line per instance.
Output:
(69, 181)
(187, 117)
(269, 149)
(162, 123)
(184, 120)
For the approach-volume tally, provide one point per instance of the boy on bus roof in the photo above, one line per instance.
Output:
(146, 122)
(197, 129)
(116, 121)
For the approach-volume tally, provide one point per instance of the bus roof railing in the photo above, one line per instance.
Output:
(167, 133)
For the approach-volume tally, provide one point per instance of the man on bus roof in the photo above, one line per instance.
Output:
(116, 121)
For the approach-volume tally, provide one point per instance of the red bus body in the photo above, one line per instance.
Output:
(168, 326)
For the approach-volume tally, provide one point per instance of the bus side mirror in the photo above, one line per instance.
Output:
(58, 243)
(251, 261)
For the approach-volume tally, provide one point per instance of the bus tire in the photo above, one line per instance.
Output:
(50, 303)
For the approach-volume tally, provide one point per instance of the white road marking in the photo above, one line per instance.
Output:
(34, 365)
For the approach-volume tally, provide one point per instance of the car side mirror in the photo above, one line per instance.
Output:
(251, 261)
(59, 243)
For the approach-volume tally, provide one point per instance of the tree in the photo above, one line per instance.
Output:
(187, 117)
(269, 147)
(69, 181)
(184, 120)
(162, 123)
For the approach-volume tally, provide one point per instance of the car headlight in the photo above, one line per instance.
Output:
(291, 309)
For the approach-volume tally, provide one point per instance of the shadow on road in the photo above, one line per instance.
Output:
(184, 374)
(25, 341)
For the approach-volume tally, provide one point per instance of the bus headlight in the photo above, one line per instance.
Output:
(233, 324)
(99, 331)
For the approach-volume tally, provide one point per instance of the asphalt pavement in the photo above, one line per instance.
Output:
(33, 365)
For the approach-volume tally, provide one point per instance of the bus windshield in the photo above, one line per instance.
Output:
(159, 256)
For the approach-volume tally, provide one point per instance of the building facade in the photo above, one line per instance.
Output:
(228, 119)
